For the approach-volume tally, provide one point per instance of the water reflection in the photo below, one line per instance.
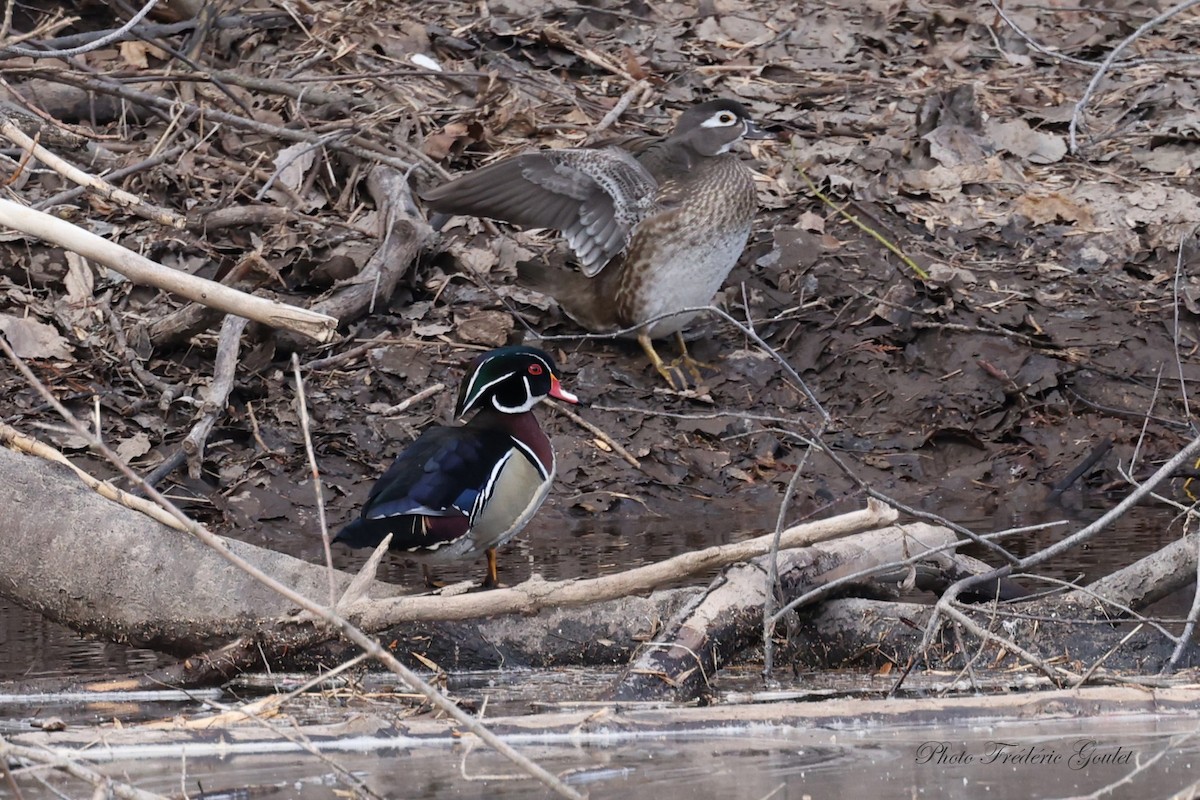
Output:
(33, 647)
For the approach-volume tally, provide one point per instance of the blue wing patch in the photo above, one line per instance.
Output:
(443, 474)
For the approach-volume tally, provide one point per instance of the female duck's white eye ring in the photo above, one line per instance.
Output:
(726, 118)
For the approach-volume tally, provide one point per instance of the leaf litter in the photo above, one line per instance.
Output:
(1050, 323)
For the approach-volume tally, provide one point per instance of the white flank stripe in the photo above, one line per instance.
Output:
(537, 462)
(489, 486)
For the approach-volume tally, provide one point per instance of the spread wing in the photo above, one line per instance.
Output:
(594, 197)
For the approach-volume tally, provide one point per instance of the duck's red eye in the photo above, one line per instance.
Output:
(535, 369)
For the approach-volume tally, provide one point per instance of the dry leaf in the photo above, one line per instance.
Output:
(32, 339)
(80, 282)
(811, 222)
(292, 165)
(1041, 209)
(1024, 142)
(437, 146)
(479, 259)
(489, 328)
(431, 329)
(134, 53)
(133, 447)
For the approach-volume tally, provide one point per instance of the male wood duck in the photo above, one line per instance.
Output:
(656, 223)
(457, 492)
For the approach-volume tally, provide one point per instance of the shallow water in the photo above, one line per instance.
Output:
(1065, 758)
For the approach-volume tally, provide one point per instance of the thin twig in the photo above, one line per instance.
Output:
(98, 185)
(1175, 327)
(234, 714)
(142, 270)
(950, 596)
(169, 392)
(103, 784)
(315, 477)
(772, 592)
(148, 163)
(408, 402)
(337, 359)
(1091, 670)
(595, 431)
(1083, 62)
(163, 104)
(1172, 745)
(1077, 114)
(1106, 601)
(1185, 638)
(826, 589)
(862, 226)
(1054, 673)
(86, 48)
(8, 776)
(632, 93)
(224, 372)
(537, 593)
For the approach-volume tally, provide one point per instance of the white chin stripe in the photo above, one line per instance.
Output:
(530, 401)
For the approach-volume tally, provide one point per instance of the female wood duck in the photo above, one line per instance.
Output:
(656, 223)
(457, 492)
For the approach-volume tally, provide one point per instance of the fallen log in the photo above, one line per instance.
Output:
(864, 634)
(728, 616)
(114, 573)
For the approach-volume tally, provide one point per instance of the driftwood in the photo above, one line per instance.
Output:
(728, 615)
(538, 623)
(112, 572)
(1145, 581)
(827, 721)
(864, 634)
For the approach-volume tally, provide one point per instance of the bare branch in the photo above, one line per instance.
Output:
(140, 269)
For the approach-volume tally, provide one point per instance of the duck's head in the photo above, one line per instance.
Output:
(714, 127)
(511, 380)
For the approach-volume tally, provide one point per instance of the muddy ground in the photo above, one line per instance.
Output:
(1059, 313)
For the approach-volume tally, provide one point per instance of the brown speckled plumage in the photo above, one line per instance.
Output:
(656, 223)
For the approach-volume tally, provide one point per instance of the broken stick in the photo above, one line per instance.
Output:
(140, 269)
